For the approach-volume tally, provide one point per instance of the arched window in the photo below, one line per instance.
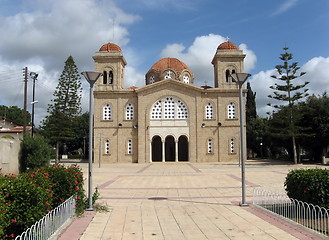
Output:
(182, 112)
(227, 75)
(129, 112)
(169, 108)
(111, 77)
(231, 111)
(209, 114)
(107, 112)
(233, 71)
(107, 147)
(130, 146)
(232, 145)
(104, 77)
(156, 112)
(210, 146)
(169, 74)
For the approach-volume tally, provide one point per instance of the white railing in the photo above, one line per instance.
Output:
(308, 215)
(50, 223)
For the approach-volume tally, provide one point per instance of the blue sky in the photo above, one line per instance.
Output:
(41, 34)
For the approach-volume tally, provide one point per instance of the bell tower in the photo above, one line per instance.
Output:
(227, 60)
(109, 60)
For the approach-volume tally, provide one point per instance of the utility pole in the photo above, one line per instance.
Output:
(25, 100)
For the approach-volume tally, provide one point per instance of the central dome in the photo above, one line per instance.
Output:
(172, 63)
(169, 68)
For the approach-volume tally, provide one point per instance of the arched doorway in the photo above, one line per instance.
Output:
(170, 149)
(156, 149)
(182, 148)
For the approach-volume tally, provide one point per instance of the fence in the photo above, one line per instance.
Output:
(308, 215)
(50, 223)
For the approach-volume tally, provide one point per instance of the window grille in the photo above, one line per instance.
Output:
(107, 112)
(231, 111)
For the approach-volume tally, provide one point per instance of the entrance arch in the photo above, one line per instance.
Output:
(170, 148)
(182, 148)
(156, 149)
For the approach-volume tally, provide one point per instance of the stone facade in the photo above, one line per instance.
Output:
(170, 118)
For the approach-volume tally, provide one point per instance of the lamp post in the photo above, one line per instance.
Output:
(34, 77)
(91, 77)
(240, 79)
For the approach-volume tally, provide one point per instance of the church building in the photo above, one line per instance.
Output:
(169, 119)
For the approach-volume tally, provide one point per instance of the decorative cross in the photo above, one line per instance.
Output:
(227, 38)
(205, 83)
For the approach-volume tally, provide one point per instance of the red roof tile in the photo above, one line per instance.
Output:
(173, 63)
(227, 46)
(110, 47)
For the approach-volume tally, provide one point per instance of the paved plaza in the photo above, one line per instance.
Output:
(192, 201)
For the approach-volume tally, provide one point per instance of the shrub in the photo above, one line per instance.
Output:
(66, 181)
(26, 198)
(35, 152)
(25, 203)
(3, 210)
(309, 185)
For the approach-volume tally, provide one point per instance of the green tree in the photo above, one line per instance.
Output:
(35, 152)
(251, 115)
(285, 91)
(14, 113)
(65, 106)
(316, 122)
(80, 128)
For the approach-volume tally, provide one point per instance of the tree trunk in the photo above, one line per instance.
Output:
(294, 149)
(57, 156)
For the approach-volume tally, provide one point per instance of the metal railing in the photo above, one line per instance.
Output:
(50, 223)
(308, 215)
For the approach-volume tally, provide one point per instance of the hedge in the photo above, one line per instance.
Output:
(26, 198)
(309, 185)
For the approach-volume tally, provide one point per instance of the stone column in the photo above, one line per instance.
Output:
(176, 150)
(163, 150)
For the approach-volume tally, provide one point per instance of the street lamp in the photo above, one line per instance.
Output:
(240, 79)
(34, 77)
(91, 77)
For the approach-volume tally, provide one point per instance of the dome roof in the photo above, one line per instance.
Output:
(227, 46)
(166, 63)
(110, 47)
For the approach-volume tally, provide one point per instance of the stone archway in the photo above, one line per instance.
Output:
(170, 152)
(183, 150)
(156, 149)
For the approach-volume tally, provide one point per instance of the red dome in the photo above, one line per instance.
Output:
(227, 46)
(110, 47)
(173, 63)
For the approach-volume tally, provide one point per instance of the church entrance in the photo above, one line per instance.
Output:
(169, 149)
(156, 149)
(182, 148)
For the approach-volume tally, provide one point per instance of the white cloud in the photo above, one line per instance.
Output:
(44, 36)
(250, 60)
(199, 55)
(133, 77)
(285, 6)
(317, 73)
(55, 31)
(260, 84)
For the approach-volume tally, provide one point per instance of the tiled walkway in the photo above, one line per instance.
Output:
(183, 201)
